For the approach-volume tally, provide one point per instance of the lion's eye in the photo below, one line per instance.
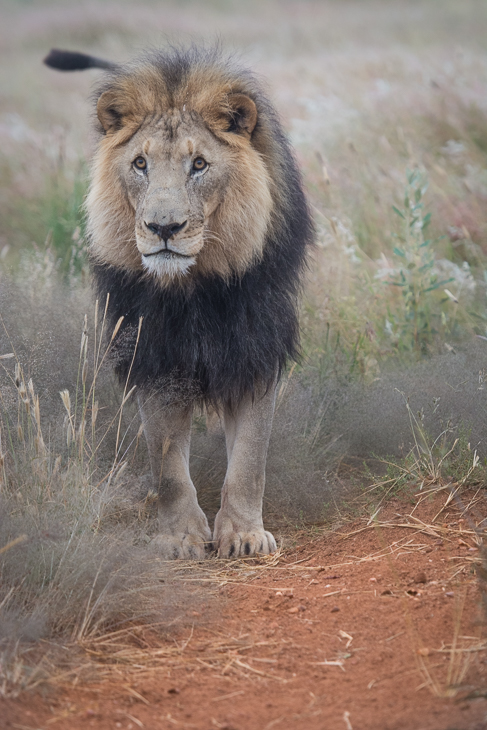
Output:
(199, 164)
(140, 163)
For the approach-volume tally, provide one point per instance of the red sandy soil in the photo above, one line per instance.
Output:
(336, 633)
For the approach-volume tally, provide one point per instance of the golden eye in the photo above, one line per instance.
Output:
(199, 164)
(140, 163)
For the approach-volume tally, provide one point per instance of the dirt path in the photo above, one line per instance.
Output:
(339, 632)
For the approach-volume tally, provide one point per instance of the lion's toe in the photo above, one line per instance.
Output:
(181, 547)
(246, 544)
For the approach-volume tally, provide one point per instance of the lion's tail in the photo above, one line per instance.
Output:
(72, 61)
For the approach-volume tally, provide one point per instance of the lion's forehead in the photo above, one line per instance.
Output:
(174, 135)
(168, 123)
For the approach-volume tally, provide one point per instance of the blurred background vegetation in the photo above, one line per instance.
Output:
(385, 104)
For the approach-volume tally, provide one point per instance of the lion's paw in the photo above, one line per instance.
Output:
(234, 544)
(184, 533)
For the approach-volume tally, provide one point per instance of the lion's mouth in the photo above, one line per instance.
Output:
(166, 253)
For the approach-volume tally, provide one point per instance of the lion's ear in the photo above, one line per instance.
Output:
(242, 114)
(109, 111)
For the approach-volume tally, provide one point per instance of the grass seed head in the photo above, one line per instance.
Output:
(66, 399)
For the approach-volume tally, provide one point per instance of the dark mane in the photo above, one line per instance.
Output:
(220, 337)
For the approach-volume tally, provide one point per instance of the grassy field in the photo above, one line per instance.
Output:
(385, 103)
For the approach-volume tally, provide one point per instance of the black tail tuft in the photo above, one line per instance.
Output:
(72, 61)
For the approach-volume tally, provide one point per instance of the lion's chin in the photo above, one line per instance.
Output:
(168, 265)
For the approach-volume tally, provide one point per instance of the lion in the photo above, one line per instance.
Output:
(199, 230)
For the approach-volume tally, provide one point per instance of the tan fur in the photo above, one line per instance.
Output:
(183, 528)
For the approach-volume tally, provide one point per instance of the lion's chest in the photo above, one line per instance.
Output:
(218, 342)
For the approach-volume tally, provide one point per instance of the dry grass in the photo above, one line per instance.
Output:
(442, 680)
(74, 563)
(367, 90)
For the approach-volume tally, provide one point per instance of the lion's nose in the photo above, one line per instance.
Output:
(166, 232)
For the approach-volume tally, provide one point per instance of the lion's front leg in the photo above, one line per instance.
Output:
(239, 529)
(183, 527)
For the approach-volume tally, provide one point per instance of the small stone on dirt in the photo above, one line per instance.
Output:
(334, 609)
(421, 578)
(387, 592)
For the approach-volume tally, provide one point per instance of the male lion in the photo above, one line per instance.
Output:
(198, 225)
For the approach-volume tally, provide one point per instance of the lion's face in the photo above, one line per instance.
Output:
(178, 188)
(176, 177)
